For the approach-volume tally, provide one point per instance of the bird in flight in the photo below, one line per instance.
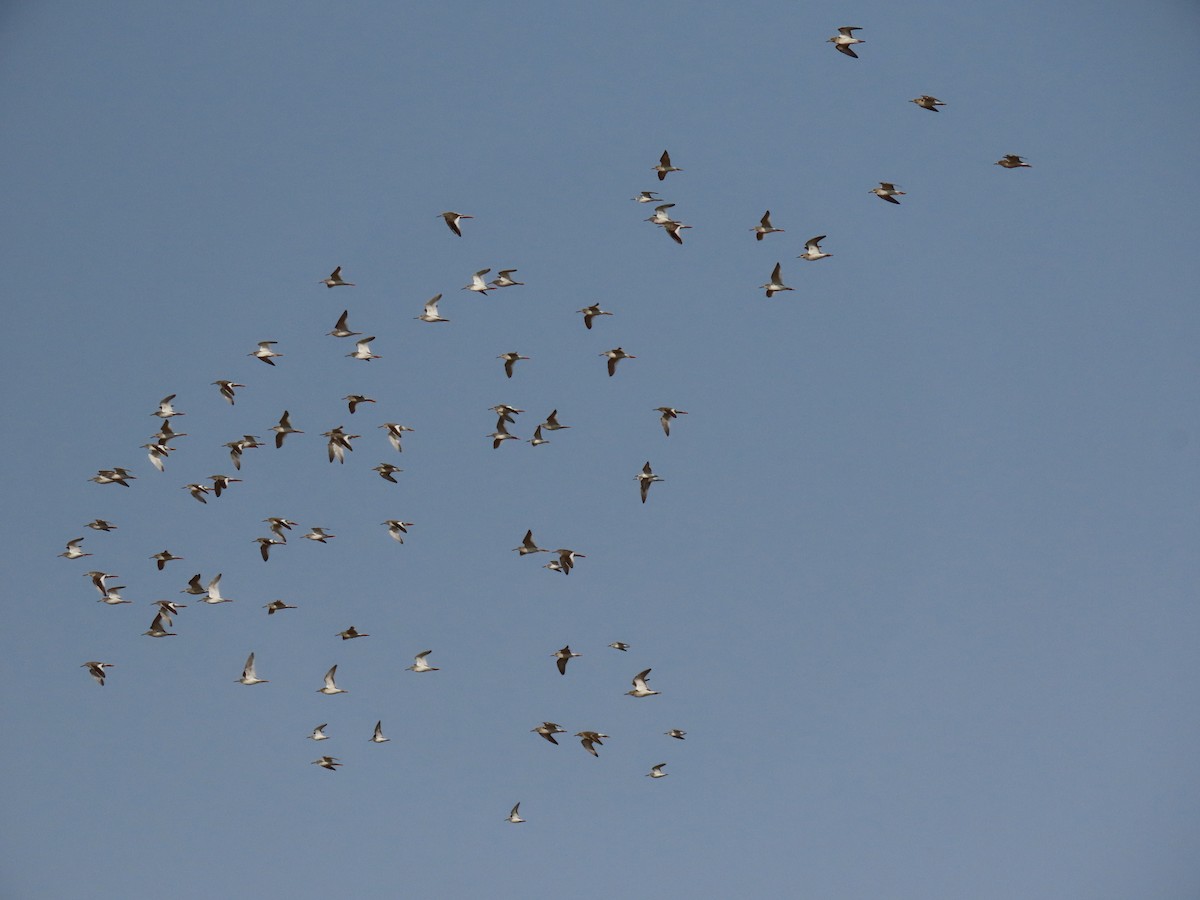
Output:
(615, 355)
(431, 311)
(453, 220)
(656, 771)
(763, 228)
(927, 102)
(96, 670)
(645, 478)
(668, 413)
(377, 737)
(775, 285)
(420, 665)
(887, 191)
(562, 657)
(330, 686)
(1012, 161)
(335, 279)
(844, 40)
(513, 816)
(812, 249)
(249, 676)
(640, 688)
(664, 166)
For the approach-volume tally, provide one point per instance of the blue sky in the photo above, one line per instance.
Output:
(919, 585)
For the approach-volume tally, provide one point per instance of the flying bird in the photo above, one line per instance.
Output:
(362, 350)
(377, 737)
(264, 546)
(563, 657)
(812, 249)
(887, 191)
(386, 471)
(335, 279)
(112, 597)
(844, 40)
(775, 285)
(646, 197)
(615, 355)
(164, 557)
(548, 730)
(504, 279)
(96, 670)
(619, 645)
(453, 220)
(552, 423)
(156, 628)
(115, 475)
(640, 688)
(330, 686)
(320, 535)
(645, 478)
(283, 429)
(537, 440)
(566, 559)
(265, 353)
(212, 593)
(394, 432)
(278, 524)
(275, 606)
(668, 413)
(318, 733)
(339, 443)
(351, 633)
(764, 227)
(431, 311)
(249, 676)
(478, 285)
(513, 816)
(510, 359)
(676, 733)
(226, 388)
(198, 491)
(589, 313)
(664, 166)
(353, 400)
(101, 525)
(165, 409)
(1012, 161)
(73, 550)
(328, 762)
(342, 329)
(528, 545)
(656, 771)
(590, 740)
(927, 102)
(420, 665)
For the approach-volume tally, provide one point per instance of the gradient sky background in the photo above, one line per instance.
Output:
(920, 584)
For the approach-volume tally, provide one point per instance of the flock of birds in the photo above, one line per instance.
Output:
(339, 442)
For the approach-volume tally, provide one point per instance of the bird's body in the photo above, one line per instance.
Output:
(615, 355)
(887, 191)
(537, 440)
(264, 546)
(420, 665)
(351, 633)
(430, 313)
(335, 279)
(328, 762)
(645, 478)
(318, 733)
(548, 730)
(927, 102)
(275, 606)
(504, 279)
(397, 529)
(528, 545)
(165, 409)
(478, 285)
(676, 733)
(812, 249)
(664, 166)
(265, 353)
(775, 285)
(619, 645)
(510, 359)
(454, 220)
(764, 227)
(320, 535)
(590, 740)
(1012, 161)
(330, 686)
(157, 628)
(589, 313)
(353, 401)
(283, 429)
(377, 736)
(845, 40)
(513, 816)
(226, 388)
(73, 550)
(564, 656)
(362, 350)
(656, 771)
(101, 525)
(668, 413)
(386, 471)
(640, 688)
(394, 432)
(212, 592)
(164, 557)
(646, 197)
(249, 676)
(96, 670)
(342, 329)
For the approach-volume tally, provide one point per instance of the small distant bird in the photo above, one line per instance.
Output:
(619, 645)
(420, 665)
(397, 529)
(555, 566)
(101, 525)
(213, 592)
(430, 314)
(656, 771)
(590, 312)
(775, 285)
(318, 733)
(514, 817)
(194, 587)
(275, 606)
(453, 219)
(164, 557)
(339, 443)
(221, 483)
(506, 412)
(112, 597)
(645, 478)
(264, 546)
(844, 40)
(664, 166)
(529, 546)
(537, 440)
(552, 423)
(566, 559)
(351, 633)
(548, 730)
(342, 329)
(328, 762)
(615, 355)
(156, 453)
(763, 228)
(504, 279)
(676, 733)
(1012, 161)
(510, 360)
(226, 388)
(563, 657)
(99, 579)
(394, 431)
(197, 491)
(668, 413)
(660, 216)
(165, 409)
(278, 524)
(673, 228)
(640, 688)
(319, 535)
(330, 686)
(249, 676)
(500, 435)
(157, 630)
(362, 350)
(335, 279)
(96, 670)
(116, 475)
(887, 191)
(167, 609)
(265, 353)
(646, 197)
(478, 285)
(377, 737)
(237, 448)
(386, 471)
(590, 740)
(352, 401)
(283, 429)
(73, 551)
(927, 102)
(812, 249)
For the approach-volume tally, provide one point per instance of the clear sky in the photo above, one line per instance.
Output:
(920, 584)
